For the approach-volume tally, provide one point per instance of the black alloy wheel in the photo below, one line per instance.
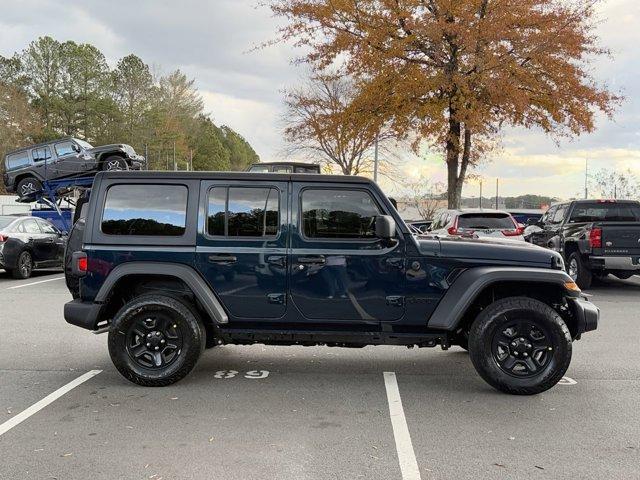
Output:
(520, 345)
(24, 266)
(156, 340)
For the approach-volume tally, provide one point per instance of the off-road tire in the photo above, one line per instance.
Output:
(114, 163)
(501, 314)
(188, 324)
(583, 276)
(24, 266)
(28, 187)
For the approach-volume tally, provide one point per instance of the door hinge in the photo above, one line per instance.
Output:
(276, 298)
(395, 301)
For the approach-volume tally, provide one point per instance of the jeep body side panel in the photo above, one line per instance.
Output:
(471, 282)
(183, 272)
(247, 272)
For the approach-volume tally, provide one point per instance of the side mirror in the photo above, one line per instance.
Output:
(385, 227)
(75, 148)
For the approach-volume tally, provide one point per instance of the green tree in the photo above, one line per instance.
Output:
(209, 151)
(132, 91)
(42, 60)
(241, 154)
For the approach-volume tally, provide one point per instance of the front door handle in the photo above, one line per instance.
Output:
(223, 258)
(314, 260)
(277, 260)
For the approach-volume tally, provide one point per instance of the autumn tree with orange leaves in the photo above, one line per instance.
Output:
(454, 72)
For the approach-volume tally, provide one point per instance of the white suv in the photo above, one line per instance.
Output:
(476, 223)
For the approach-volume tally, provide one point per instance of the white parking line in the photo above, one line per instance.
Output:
(35, 283)
(52, 397)
(406, 455)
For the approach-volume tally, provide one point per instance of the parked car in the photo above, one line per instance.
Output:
(476, 223)
(26, 168)
(284, 167)
(595, 237)
(320, 260)
(526, 216)
(420, 226)
(28, 243)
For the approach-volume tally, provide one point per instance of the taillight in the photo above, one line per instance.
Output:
(453, 230)
(79, 264)
(3, 238)
(82, 264)
(595, 238)
(513, 233)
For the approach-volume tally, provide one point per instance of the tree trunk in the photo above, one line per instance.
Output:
(453, 157)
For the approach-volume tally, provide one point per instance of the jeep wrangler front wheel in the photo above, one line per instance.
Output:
(156, 340)
(520, 345)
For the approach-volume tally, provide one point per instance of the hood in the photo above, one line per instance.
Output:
(111, 147)
(496, 251)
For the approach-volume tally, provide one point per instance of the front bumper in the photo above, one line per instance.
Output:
(82, 314)
(629, 263)
(585, 313)
(138, 162)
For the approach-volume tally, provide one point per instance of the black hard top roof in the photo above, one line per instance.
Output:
(283, 177)
(292, 164)
(42, 144)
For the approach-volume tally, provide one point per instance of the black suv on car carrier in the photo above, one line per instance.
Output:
(173, 263)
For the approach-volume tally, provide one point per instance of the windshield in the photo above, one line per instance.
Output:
(5, 221)
(83, 144)
(485, 221)
(605, 212)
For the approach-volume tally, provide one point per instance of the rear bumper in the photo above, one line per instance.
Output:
(82, 314)
(585, 313)
(615, 263)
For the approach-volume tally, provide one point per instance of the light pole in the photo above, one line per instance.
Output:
(375, 159)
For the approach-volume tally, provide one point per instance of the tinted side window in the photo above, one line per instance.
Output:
(243, 211)
(343, 214)
(157, 210)
(17, 160)
(558, 217)
(41, 154)
(64, 148)
(46, 227)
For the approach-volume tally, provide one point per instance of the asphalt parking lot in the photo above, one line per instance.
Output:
(309, 413)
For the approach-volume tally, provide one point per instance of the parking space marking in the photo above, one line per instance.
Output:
(52, 397)
(406, 454)
(35, 283)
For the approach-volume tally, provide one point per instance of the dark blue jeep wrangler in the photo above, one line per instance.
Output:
(173, 263)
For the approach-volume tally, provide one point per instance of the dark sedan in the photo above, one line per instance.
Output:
(28, 243)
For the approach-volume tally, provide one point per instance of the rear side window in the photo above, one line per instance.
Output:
(17, 160)
(605, 212)
(41, 154)
(145, 210)
(340, 214)
(486, 221)
(243, 211)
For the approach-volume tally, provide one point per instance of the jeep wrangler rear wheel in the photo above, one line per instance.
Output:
(156, 340)
(28, 187)
(520, 345)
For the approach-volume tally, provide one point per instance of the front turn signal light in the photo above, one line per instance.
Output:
(572, 286)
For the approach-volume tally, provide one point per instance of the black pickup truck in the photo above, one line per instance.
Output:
(172, 263)
(595, 237)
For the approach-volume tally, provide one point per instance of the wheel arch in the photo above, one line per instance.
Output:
(134, 278)
(101, 157)
(476, 288)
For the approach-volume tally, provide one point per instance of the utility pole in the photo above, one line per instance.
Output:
(497, 180)
(146, 155)
(191, 160)
(175, 165)
(586, 178)
(480, 199)
(375, 160)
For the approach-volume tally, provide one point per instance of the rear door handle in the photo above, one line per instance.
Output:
(314, 260)
(223, 258)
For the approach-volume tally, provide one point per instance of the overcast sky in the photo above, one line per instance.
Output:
(212, 41)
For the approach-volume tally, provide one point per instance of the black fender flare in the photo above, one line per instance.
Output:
(470, 283)
(188, 275)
